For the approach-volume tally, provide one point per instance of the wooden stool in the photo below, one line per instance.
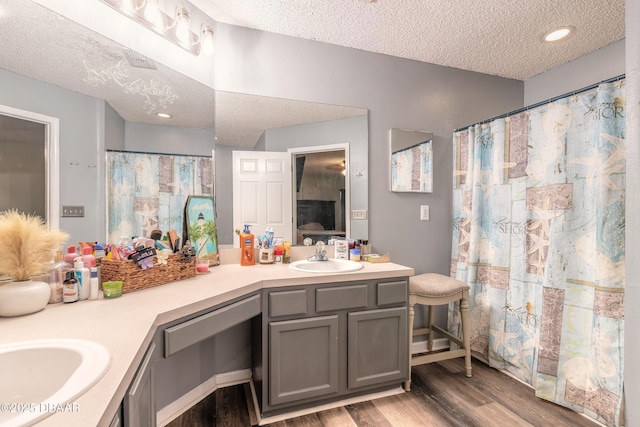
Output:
(436, 289)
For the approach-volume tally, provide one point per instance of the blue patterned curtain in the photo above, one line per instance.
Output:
(539, 219)
(148, 191)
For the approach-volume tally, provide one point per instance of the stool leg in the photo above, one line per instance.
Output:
(464, 317)
(431, 318)
(407, 383)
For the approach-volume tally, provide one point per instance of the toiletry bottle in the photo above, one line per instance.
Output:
(71, 255)
(365, 248)
(83, 276)
(247, 247)
(286, 253)
(70, 288)
(87, 257)
(341, 248)
(94, 285)
(57, 276)
(354, 254)
(277, 254)
(98, 251)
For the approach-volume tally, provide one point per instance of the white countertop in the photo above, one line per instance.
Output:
(125, 325)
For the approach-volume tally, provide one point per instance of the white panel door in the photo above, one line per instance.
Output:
(262, 193)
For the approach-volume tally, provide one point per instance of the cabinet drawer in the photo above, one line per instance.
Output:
(392, 292)
(195, 330)
(286, 303)
(344, 297)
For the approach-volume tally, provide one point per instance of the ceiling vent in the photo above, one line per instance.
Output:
(137, 60)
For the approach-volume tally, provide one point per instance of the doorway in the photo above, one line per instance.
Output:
(29, 178)
(321, 197)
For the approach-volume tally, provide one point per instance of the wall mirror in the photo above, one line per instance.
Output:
(323, 176)
(97, 66)
(411, 160)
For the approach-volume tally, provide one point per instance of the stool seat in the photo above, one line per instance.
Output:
(433, 289)
(432, 285)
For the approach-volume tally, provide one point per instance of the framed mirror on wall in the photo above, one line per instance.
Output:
(411, 161)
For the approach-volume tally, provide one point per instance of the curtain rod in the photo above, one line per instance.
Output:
(110, 150)
(537, 104)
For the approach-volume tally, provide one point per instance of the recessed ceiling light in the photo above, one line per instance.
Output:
(164, 115)
(559, 33)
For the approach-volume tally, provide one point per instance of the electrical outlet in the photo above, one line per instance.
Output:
(72, 211)
(358, 214)
(424, 213)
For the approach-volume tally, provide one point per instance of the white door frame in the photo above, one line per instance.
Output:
(52, 159)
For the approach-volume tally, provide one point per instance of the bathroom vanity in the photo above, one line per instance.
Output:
(320, 343)
(305, 339)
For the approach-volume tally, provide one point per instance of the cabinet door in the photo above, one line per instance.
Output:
(139, 402)
(303, 359)
(377, 347)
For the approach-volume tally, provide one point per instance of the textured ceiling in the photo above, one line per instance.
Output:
(68, 55)
(499, 37)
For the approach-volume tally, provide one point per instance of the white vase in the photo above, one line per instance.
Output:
(26, 297)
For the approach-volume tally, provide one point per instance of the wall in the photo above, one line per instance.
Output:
(168, 139)
(113, 129)
(582, 72)
(632, 282)
(398, 93)
(224, 194)
(81, 163)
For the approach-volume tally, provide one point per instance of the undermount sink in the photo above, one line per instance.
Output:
(329, 266)
(42, 377)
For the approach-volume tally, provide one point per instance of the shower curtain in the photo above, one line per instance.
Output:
(148, 191)
(539, 221)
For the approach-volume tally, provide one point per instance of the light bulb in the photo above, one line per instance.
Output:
(151, 12)
(182, 25)
(559, 34)
(206, 40)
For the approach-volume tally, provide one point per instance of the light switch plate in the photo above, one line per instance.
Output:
(424, 213)
(72, 211)
(358, 214)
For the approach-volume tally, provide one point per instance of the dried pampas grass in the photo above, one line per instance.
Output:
(26, 245)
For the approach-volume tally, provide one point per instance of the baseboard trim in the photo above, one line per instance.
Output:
(176, 408)
(345, 402)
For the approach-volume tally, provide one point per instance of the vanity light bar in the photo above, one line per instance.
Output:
(164, 25)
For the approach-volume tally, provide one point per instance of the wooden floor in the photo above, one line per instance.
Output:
(441, 395)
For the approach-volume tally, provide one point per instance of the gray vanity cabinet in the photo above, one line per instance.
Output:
(180, 339)
(303, 358)
(324, 343)
(377, 341)
(139, 402)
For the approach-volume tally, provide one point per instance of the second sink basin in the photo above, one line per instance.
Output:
(329, 266)
(39, 377)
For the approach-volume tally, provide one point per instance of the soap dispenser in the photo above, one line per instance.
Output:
(247, 246)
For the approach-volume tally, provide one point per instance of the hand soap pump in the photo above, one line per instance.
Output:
(247, 246)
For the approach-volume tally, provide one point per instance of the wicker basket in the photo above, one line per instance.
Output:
(135, 278)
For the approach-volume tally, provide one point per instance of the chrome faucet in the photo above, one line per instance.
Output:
(321, 253)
